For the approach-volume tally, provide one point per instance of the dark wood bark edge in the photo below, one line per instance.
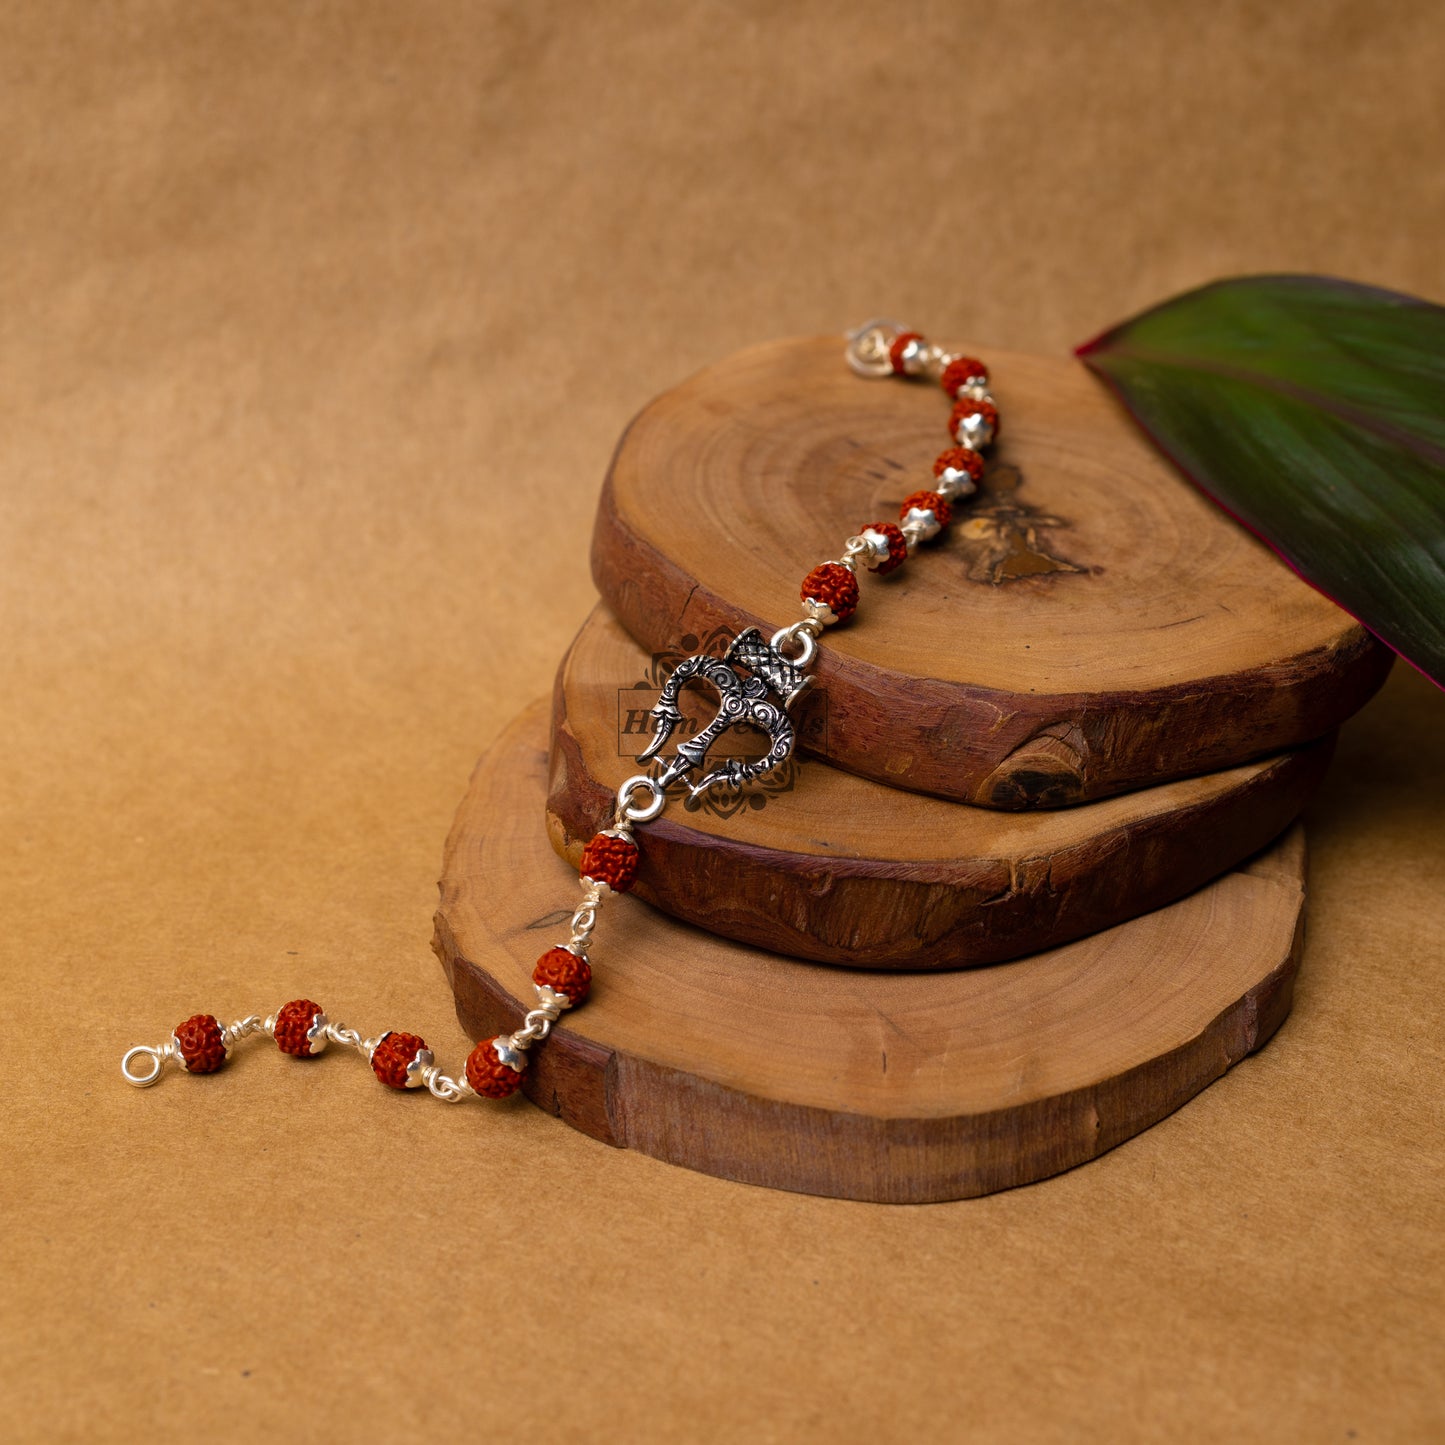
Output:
(997, 749)
(935, 914)
(634, 1103)
(688, 1118)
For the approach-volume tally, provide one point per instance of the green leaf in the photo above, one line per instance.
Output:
(1313, 410)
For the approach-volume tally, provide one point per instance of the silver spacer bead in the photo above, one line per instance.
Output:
(973, 431)
(916, 357)
(937, 359)
(924, 521)
(952, 483)
(549, 998)
(416, 1070)
(876, 544)
(920, 525)
(818, 611)
(507, 1051)
(317, 1036)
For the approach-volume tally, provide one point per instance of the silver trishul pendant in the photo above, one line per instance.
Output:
(756, 685)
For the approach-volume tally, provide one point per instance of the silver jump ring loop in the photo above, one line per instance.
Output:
(627, 812)
(802, 634)
(867, 350)
(142, 1080)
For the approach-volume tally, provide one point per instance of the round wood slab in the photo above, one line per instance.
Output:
(1088, 625)
(844, 870)
(893, 1087)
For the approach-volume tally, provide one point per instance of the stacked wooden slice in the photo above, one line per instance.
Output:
(1068, 742)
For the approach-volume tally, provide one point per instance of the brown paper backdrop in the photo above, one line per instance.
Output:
(317, 325)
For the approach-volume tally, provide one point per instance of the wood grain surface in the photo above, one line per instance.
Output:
(886, 1087)
(1089, 624)
(822, 864)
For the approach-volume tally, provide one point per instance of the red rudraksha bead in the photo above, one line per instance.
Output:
(488, 1075)
(966, 408)
(927, 502)
(835, 586)
(959, 459)
(900, 344)
(564, 972)
(201, 1046)
(610, 860)
(393, 1055)
(293, 1023)
(897, 547)
(963, 371)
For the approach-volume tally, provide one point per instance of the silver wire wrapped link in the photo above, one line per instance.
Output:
(349, 1038)
(584, 920)
(628, 812)
(244, 1028)
(804, 634)
(537, 1024)
(439, 1086)
(158, 1056)
(535, 1027)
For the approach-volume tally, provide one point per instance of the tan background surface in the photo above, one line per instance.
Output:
(317, 324)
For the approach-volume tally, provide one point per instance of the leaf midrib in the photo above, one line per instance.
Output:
(1362, 420)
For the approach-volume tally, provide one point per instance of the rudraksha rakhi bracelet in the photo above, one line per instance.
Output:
(757, 680)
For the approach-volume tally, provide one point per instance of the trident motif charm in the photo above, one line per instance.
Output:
(756, 685)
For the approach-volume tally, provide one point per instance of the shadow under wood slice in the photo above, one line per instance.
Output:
(829, 866)
(864, 1085)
